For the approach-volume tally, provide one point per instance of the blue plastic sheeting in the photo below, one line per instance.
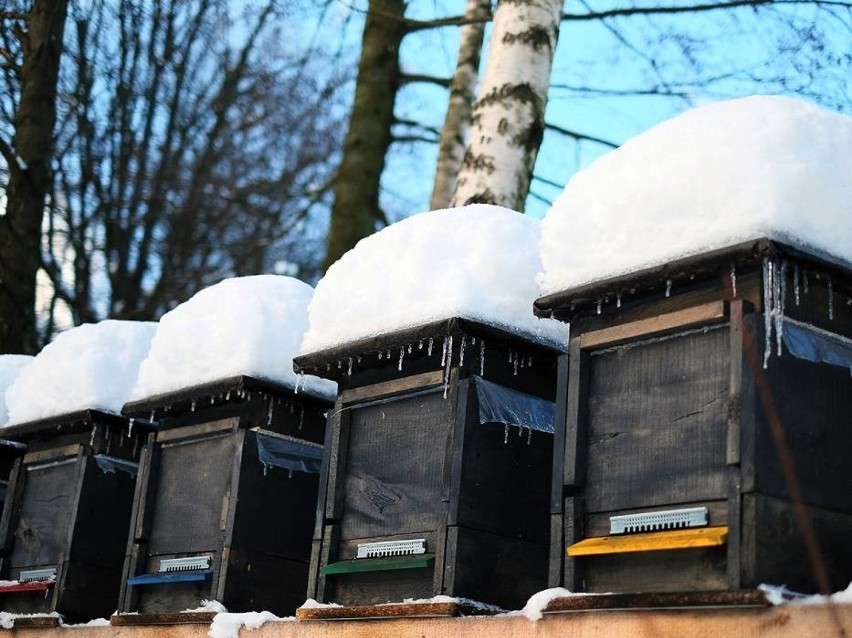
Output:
(170, 577)
(814, 344)
(510, 407)
(288, 454)
(111, 465)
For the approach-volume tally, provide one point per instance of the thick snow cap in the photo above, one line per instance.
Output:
(10, 367)
(242, 326)
(712, 177)
(93, 366)
(477, 262)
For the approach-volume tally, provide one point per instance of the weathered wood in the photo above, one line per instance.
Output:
(573, 518)
(190, 431)
(670, 322)
(14, 492)
(661, 600)
(396, 386)
(179, 618)
(575, 454)
(560, 419)
(53, 454)
(395, 610)
(35, 622)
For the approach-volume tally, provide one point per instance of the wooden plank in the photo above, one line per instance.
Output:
(395, 386)
(220, 425)
(557, 487)
(651, 541)
(34, 622)
(52, 454)
(557, 551)
(576, 420)
(660, 600)
(734, 528)
(396, 610)
(11, 506)
(573, 530)
(179, 618)
(678, 320)
(338, 455)
(735, 381)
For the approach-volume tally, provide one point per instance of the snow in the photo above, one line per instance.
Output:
(714, 176)
(538, 602)
(227, 625)
(242, 326)
(10, 367)
(92, 366)
(778, 595)
(476, 262)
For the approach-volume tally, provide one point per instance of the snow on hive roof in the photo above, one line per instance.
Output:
(712, 177)
(477, 262)
(92, 366)
(10, 367)
(242, 326)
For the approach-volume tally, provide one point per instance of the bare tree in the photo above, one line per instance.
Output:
(194, 143)
(26, 144)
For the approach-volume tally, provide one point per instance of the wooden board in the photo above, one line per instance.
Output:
(188, 617)
(664, 600)
(402, 610)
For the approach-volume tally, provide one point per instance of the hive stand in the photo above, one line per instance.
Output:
(67, 514)
(416, 456)
(225, 502)
(666, 405)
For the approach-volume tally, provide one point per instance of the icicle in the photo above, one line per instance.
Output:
(429, 351)
(505, 434)
(420, 345)
(473, 341)
(381, 354)
(108, 439)
(349, 368)
(767, 310)
(327, 367)
(269, 415)
(529, 435)
(92, 438)
(444, 352)
(292, 407)
(212, 400)
(339, 364)
(461, 351)
(482, 358)
(600, 305)
(151, 418)
(515, 365)
(734, 280)
(401, 357)
(449, 347)
(830, 300)
(668, 287)
(409, 348)
(301, 417)
(192, 406)
(779, 293)
(796, 282)
(130, 427)
(529, 361)
(805, 281)
(618, 300)
(359, 358)
(265, 469)
(290, 475)
(300, 379)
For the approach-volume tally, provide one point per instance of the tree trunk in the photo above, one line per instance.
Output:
(508, 117)
(462, 94)
(29, 160)
(356, 211)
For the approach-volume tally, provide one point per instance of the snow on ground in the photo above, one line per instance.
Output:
(477, 262)
(242, 326)
(709, 178)
(93, 366)
(10, 367)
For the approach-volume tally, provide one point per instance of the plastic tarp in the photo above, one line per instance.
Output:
(288, 454)
(111, 465)
(498, 404)
(814, 344)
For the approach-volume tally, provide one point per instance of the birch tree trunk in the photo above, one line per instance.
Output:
(28, 159)
(508, 117)
(456, 126)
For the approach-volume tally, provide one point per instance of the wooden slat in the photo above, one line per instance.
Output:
(651, 541)
(660, 600)
(196, 430)
(679, 320)
(180, 618)
(399, 610)
(52, 454)
(396, 386)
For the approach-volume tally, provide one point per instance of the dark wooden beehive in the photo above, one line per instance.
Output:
(419, 451)
(666, 405)
(67, 514)
(228, 482)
